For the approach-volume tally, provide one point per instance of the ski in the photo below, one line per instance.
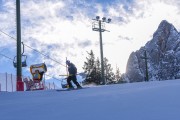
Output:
(67, 89)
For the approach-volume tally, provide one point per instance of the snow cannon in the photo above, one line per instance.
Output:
(40, 67)
(37, 71)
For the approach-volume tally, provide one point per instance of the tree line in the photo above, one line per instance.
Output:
(92, 68)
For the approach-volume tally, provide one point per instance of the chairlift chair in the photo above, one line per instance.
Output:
(23, 58)
(24, 64)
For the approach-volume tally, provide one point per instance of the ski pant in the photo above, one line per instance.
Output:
(74, 79)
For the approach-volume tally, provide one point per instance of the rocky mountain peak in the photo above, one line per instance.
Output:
(164, 23)
(163, 53)
(164, 29)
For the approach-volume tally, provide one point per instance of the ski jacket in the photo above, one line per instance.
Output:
(72, 69)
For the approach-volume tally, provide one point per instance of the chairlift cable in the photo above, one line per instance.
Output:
(33, 49)
(8, 35)
(44, 55)
(6, 56)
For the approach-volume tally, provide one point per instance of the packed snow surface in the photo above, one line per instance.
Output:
(156, 100)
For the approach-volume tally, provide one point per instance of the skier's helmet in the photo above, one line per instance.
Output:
(68, 62)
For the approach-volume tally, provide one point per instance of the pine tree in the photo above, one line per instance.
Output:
(118, 75)
(89, 66)
(97, 77)
(108, 70)
(93, 70)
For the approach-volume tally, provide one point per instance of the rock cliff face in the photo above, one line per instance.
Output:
(163, 56)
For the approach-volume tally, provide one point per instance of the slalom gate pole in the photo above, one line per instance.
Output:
(12, 82)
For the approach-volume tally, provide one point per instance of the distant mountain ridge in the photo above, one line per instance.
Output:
(163, 53)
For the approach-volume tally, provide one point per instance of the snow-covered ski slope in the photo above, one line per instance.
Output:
(157, 100)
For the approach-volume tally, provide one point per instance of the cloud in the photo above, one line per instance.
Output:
(62, 28)
(124, 38)
(7, 22)
(85, 43)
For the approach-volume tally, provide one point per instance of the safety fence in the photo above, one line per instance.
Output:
(8, 83)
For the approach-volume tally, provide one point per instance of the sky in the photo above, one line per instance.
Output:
(63, 28)
(155, 100)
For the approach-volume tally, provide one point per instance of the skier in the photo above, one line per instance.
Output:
(72, 75)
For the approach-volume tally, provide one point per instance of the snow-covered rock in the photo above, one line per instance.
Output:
(163, 53)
